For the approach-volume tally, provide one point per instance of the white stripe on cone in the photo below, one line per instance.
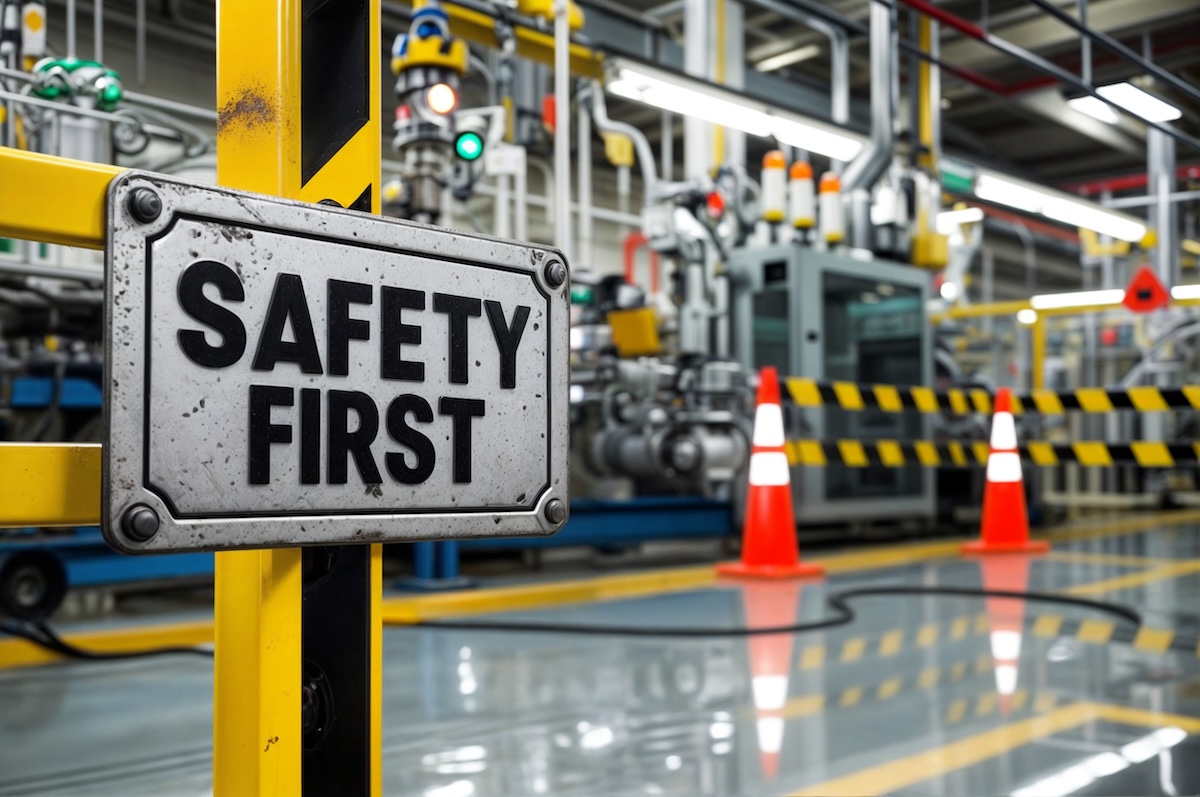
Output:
(1002, 466)
(1006, 645)
(770, 469)
(770, 734)
(770, 691)
(1004, 432)
(768, 426)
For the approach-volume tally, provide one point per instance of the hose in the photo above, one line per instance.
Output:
(40, 634)
(839, 602)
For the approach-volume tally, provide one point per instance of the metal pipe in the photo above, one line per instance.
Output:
(562, 126)
(171, 106)
(598, 213)
(98, 31)
(1146, 201)
(667, 139)
(1085, 45)
(583, 162)
(641, 144)
(521, 213)
(71, 15)
(1039, 63)
(839, 54)
(1126, 53)
(140, 42)
(870, 164)
(1160, 165)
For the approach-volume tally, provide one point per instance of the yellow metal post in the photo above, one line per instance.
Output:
(1037, 353)
(273, 137)
(925, 110)
(49, 484)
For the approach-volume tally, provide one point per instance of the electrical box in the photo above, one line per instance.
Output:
(827, 316)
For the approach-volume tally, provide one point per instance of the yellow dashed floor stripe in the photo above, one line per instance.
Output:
(1153, 640)
(888, 689)
(1095, 632)
(890, 643)
(1047, 626)
(813, 658)
(851, 697)
(853, 649)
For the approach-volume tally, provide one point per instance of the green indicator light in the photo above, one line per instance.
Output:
(469, 146)
(581, 295)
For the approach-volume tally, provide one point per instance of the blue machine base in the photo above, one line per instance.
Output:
(90, 562)
(616, 524)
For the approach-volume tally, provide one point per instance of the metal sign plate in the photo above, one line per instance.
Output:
(284, 374)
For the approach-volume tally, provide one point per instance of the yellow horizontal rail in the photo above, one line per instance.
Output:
(53, 200)
(480, 28)
(49, 484)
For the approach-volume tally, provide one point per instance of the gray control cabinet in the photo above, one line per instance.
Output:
(827, 316)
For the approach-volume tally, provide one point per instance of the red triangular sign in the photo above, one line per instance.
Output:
(1145, 292)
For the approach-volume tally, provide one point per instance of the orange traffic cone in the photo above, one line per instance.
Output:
(1005, 524)
(1006, 619)
(769, 547)
(770, 605)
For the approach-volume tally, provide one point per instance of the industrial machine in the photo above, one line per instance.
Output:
(827, 316)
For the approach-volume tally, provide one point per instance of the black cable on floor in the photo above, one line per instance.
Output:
(839, 602)
(40, 634)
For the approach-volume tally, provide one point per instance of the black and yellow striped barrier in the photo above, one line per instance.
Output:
(890, 398)
(954, 454)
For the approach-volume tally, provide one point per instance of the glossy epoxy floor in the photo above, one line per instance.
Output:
(920, 695)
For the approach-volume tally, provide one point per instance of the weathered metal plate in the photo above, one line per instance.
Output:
(284, 374)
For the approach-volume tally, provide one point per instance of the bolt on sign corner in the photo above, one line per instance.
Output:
(283, 374)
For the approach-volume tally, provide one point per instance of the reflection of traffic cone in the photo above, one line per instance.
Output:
(770, 605)
(1005, 524)
(769, 547)
(1006, 617)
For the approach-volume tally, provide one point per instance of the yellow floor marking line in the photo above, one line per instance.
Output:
(913, 769)
(890, 643)
(1133, 580)
(1128, 715)
(813, 658)
(853, 649)
(1108, 559)
(19, 653)
(803, 706)
(1045, 702)
(1095, 632)
(1115, 528)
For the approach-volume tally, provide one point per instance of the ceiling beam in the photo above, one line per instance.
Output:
(1042, 33)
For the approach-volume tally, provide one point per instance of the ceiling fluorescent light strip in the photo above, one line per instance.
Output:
(1056, 205)
(678, 95)
(1058, 301)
